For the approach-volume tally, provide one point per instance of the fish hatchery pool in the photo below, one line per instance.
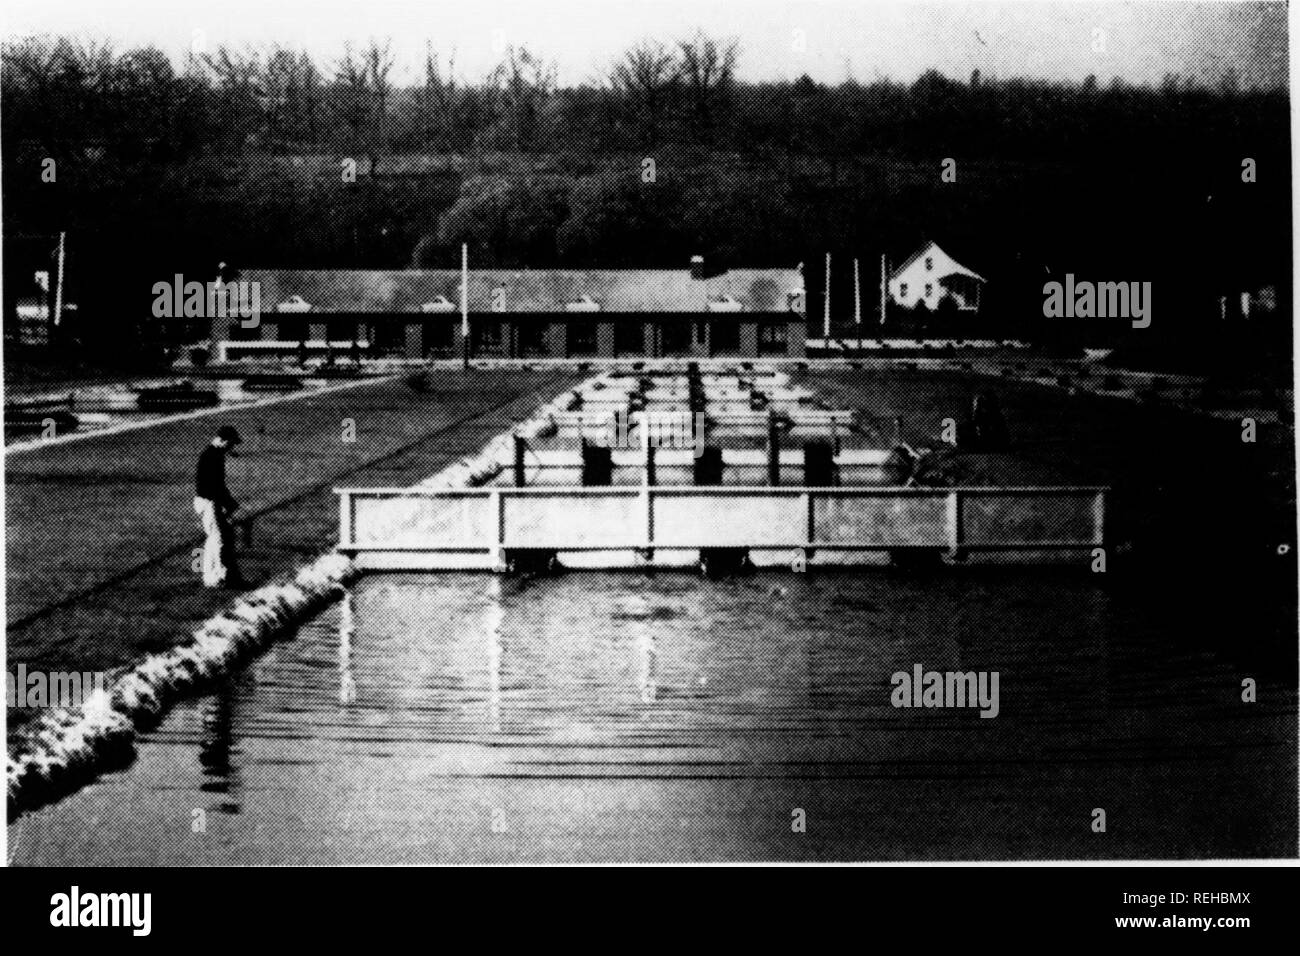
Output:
(661, 716)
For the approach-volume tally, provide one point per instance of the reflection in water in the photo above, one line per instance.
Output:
(347, 629)
(625, 716)
(644, 642)
(493, 618)
(217, 747)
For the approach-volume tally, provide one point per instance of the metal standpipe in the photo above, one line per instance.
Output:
(650, 478)
(521, 448)
(773, 450)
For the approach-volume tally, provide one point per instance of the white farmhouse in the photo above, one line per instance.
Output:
(932, 276)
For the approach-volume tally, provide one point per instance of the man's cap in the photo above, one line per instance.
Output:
(229, 434)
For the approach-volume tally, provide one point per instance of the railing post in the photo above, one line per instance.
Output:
(806, 500)
(497, 504)
(954, 522)
(345, 519)
(1099, 518)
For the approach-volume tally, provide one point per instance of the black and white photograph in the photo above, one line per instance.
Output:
(710, 432)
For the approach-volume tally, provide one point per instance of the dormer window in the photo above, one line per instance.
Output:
(295, 303)
(584, 304)
(439, 304)
(929, 264)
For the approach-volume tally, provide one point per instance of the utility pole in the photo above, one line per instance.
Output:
(883, 286)
(826, 302)
(464, 301)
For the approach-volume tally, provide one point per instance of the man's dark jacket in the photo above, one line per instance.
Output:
(210, 477)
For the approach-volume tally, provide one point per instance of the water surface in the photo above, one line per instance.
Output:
(624, 716)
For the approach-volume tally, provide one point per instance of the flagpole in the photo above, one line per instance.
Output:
(826, 302)
(464, 301)
(883, 285)
(58, 288)
(857, 295)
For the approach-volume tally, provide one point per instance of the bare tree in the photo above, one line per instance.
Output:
(280, 81)
(351, 96)
(141, 101)
(378, 60)
(32, 73)
(309, 95)
(361, 91)
(707, 69)
(647, 77)
(525, 82)
(435, 99)
(63, 88)
(238, 75)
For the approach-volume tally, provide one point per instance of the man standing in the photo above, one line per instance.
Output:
(214, 505)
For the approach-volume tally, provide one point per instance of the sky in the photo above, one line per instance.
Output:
(830, 40)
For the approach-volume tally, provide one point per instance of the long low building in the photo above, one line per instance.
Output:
(526, 314)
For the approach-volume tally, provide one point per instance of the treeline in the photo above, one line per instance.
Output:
(240, 157)
(63, 96)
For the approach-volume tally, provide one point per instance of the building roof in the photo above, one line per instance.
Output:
(542, 290)
(928, 247)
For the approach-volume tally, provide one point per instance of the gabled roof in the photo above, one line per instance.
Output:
(549, 290)
(927, 247)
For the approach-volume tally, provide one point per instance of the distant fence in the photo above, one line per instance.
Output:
(231, 349)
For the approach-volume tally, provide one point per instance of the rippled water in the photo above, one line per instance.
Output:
(632, 716)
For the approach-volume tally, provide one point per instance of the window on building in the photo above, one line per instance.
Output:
(488, 337)
(771, 338)
(291, 330)
(439, 337)
(929, 264)
(726, 338)
(340, 330)
(389, 337)
(532, 338)
(629, 337)
(675, 337)
(902, 290)
(929, 290)
(582, 337)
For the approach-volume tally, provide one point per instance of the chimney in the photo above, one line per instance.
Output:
(697, 267)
